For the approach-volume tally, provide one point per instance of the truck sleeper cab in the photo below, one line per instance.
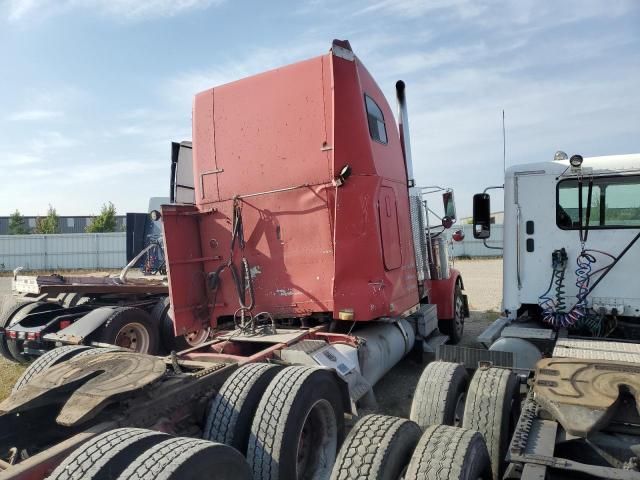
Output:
(302, 204)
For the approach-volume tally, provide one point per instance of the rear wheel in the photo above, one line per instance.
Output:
(492, 408)
(232, 410)
(16, 346)
(130, 328)
(162, 317)
(377, 448)
(48, 360)
(298, 426)
(10, 307)
(449, 453)
(455, 327)
(188, 459)
(440, 395)
(106, 456)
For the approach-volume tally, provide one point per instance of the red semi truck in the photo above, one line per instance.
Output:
(308, 255)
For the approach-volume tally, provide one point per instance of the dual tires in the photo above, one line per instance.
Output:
(128, 328)
(139, 454)
(275, 422)
(458, 429)
(388, 448)
(124, 327)
(289, 421)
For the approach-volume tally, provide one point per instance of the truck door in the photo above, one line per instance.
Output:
(389, 230)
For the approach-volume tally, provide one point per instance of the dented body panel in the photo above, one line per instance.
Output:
(272, 145)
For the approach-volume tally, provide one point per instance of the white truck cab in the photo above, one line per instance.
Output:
(571, 260)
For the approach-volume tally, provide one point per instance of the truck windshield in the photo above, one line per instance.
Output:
(615, 203)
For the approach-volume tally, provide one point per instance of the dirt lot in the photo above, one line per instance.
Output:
(483, 284)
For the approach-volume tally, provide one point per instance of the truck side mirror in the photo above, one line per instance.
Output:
(449, 205)
(481, 216)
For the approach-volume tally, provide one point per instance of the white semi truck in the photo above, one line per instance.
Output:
(570, 255)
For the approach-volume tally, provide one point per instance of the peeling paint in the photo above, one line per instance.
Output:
(281, 292)
(255, 271)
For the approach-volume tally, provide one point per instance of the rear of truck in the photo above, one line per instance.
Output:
(299, 257)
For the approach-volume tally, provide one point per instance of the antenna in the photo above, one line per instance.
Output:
(504, 146)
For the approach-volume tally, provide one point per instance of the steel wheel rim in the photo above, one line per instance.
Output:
(133, 336)
(317, 442)
(197, 337)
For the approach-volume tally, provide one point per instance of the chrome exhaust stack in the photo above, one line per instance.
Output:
(403, 127)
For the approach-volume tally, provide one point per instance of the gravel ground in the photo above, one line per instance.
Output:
(5, 285)
(483, 285)
(482, 280)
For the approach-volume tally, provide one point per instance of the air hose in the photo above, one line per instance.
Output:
(579, 315)
(242, 280)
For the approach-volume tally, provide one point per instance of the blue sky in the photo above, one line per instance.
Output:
(93, 91)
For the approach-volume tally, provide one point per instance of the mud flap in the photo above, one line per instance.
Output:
(77, 332)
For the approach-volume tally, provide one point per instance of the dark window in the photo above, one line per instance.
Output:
(615, 203)
(377, 129)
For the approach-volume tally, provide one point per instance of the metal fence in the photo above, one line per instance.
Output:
(108, 250)
(63, 251)
(470, 247)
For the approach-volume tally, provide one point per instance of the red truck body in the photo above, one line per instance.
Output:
(274, 145)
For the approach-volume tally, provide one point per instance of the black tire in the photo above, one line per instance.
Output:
(106, 456)
(492, 408)
(449, 453)
(100, 351)
(14, 345)
(74, 299)
(454, 327)
(162, 317)
(377, 448)
(233, 408)
(10, 307)
(302, 407)
(188, 459)
(439, 395)
(46, 361)
(120, 330)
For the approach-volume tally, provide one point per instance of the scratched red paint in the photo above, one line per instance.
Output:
(313, 247)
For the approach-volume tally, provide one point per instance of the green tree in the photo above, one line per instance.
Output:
(48, 224)
(105, 222)
(17, 225)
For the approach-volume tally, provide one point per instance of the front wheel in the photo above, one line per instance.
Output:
(454, 327)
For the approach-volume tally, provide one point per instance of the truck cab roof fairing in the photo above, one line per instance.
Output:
(275, 141)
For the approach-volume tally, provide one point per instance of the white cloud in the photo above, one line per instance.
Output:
(47, 141)
(182, 88)
(34, 115)
(13, 159)
(18, 10)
